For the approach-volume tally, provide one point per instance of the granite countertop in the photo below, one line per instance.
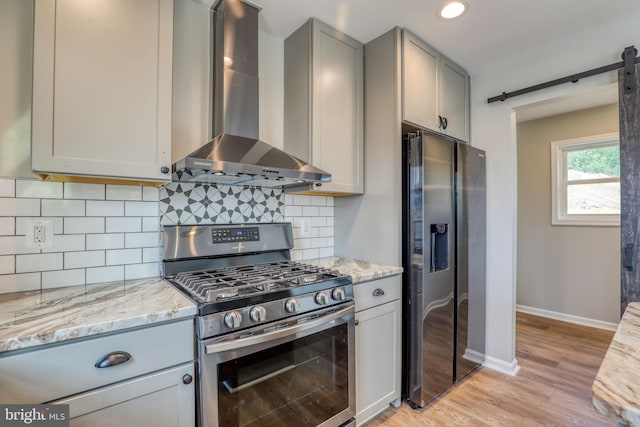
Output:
(34, 318)
(616, 388)
(360, 271)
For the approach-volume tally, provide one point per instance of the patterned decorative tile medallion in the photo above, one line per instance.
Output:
(187, 203)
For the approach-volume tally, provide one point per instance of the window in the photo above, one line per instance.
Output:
(585, 181)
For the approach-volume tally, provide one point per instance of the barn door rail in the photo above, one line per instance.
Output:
(629, 59)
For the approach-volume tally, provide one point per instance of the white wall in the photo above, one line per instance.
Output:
(569, 272)
(493, 129)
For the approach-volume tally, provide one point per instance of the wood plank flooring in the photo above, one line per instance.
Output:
(558, 362)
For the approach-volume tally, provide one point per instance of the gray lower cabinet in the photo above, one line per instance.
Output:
(146, 379)
(162, 399)
(378, 346)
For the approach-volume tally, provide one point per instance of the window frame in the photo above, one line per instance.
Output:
(559, 181)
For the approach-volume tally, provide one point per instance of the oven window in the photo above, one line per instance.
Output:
(303, 382)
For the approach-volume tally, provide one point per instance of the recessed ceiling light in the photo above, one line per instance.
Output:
(452, 9)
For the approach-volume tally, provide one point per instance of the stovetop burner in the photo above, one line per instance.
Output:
(241, 281)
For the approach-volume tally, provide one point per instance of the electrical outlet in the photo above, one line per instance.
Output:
(39, 233)
(305, 227)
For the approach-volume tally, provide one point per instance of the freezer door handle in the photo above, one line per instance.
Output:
(628, 256)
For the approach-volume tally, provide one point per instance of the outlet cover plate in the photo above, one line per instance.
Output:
(48, 233)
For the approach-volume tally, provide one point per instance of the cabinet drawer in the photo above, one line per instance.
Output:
(50, 373)
(376, 292)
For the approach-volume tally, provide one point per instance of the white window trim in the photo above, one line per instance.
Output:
(559, 149)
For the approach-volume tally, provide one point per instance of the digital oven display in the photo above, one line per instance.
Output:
(235, 234)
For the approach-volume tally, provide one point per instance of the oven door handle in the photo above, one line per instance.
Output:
(279, 333)
(231, 389)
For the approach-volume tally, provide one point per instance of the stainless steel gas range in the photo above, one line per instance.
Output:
(275, 338)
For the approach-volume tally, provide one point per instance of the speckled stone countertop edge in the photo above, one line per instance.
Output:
(359, 270)
(37, 318)
(616, 387)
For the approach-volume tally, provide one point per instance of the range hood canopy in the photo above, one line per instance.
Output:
(235, 155)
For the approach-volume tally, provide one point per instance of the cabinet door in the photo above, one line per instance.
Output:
(378, 362)
(102, 88)
(162, 399)
(337, 123)
(454, 99)
(419, 82)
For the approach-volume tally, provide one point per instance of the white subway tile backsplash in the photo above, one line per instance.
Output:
(319, 221)
(123, 225)
(288, 199)
(38, 189)
(310, 253)
(326, 252)
(141, 271)
(141, 209)
(23, 223)
(67, 243)
(319, 242)
(11, 245)
(303, 244)
(296, 254)
(19, 282)
(318, 201)
(290, 211)
(105, 274)
(83, 259)
(75, 190)
(105, 241)
(38, 262)
(151, 223)
(79, 225)
(7, 264)
(330, 221)
(19, 207)
(63, 207)
(310, 211)
(325, 231)
(328, 211)
(330, 242)
(141, 240)
(150, 194)
(7, 226)
(150, 255)
(329, 201)
(300, 200)
(105, 208)
(124, 192)
(123, 256)
(62, 278)
(7, 187)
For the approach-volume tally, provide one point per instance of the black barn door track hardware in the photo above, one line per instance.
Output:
(629, 59)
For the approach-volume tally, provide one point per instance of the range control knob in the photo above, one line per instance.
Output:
(338, 294)
(258, 313)
(232, 319)
(291, 305)
(321, 298)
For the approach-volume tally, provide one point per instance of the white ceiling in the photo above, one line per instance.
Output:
(490, 30)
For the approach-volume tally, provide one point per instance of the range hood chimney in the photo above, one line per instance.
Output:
(230, 151)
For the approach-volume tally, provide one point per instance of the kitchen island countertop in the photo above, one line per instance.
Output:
(34, 318)
(616, 388)
(359, 270)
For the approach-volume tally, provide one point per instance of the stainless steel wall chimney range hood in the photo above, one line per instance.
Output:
(215, 101)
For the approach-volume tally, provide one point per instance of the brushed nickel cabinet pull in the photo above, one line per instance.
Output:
(378, 292)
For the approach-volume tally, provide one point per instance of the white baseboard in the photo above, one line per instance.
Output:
(509, 368)
(584, 321)
(474, 356)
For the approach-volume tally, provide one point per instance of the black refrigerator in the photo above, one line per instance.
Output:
(444, 223)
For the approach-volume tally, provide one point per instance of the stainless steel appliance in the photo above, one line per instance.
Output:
(444, 264)
(275, 338)
(215, 101)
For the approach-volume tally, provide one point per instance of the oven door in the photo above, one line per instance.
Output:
(296, 372)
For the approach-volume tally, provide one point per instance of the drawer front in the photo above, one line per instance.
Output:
(50, 373)
(376, 292)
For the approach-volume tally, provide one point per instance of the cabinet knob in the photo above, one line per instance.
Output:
(164, 169)
(357, 322)
(439, 122)
(445, 123)
(186, 379)
(114, 358)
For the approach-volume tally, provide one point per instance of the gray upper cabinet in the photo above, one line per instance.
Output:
(102, 88)
(435, 91)
(323, 104)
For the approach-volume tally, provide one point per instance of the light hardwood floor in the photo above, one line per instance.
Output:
(558, 362)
